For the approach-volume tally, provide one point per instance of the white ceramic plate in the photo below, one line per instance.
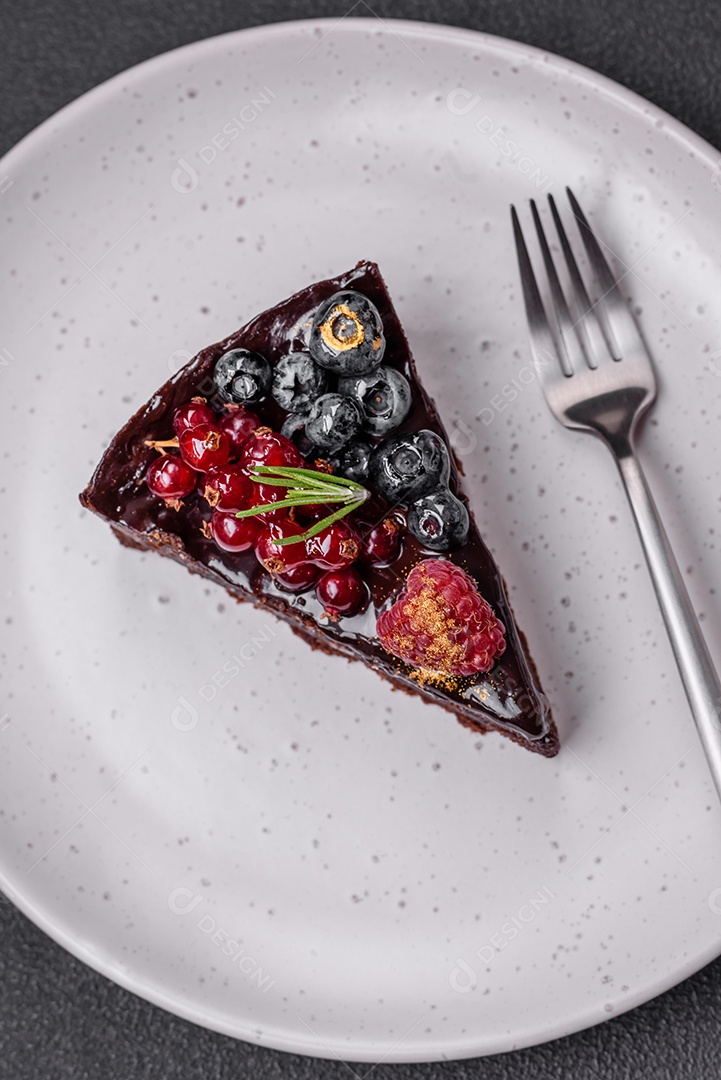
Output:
(277, 846)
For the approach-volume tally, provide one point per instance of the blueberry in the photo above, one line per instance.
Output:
(352, 462)
(405, 467)
(384, 396)
(346, 336)
(334, 420)
(242, 376)
(439, 520)
(297, 381)
(294, 429)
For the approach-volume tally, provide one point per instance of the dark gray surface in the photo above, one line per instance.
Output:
(58, 1019)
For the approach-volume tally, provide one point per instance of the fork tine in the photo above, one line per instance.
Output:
(595, 345)
(569, 344)
(543, 346)
(620, 324)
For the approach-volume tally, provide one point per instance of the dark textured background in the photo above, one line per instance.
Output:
(58, 1019)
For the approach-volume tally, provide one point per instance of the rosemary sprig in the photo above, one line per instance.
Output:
(307, 487)
(311, 476)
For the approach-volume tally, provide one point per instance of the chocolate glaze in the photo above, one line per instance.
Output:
(508, 698)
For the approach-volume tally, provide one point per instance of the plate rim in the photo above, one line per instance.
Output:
(103, 963)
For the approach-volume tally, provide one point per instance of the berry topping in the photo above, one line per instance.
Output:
(299, 579)
(341, 592)
(277, 558)
(334, 420)
(228, 488)
(441, 622)
(267, 447)
(298, 381)
(170, 478)
(191, 414)
(238, 424)
(242, 376)
(407, 466)
(352, 461)
(381, 543)
(439, 520)
(347, 334)
(234, 534)
(333, 548)
(384, 396)
(320, 498)
(204, 446)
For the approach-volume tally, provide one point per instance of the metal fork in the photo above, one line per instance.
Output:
(597, 377)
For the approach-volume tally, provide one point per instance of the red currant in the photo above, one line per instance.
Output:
(268, 493)
(228, 488)
(238, 425)
(381, 543)
(204, 446)
(267, 447)
(299, 579)
(333, 548)
(233, 534)
(315, 512)
(191, 414)
(275, 558)
(170, 478)
(341, 592)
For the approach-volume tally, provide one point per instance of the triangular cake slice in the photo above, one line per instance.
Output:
(317, 403)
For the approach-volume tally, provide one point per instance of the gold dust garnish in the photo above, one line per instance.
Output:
(424, 677)
(205, 529)
(328, 329)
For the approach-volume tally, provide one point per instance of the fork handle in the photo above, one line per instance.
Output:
(699, 677)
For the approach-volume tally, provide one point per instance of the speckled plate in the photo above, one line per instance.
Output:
(269, 841)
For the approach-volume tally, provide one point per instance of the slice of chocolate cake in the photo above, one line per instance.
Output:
(300, 464)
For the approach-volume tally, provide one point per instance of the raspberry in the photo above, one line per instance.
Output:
(441, 622)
